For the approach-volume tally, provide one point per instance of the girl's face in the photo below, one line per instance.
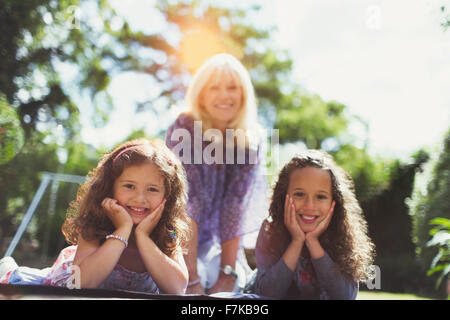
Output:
(221, 98)
(139, 189)
(310, 189)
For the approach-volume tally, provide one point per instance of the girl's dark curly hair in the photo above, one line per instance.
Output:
(87, 218)
(345, 240)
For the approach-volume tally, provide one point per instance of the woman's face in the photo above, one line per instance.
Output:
(140, 190)
(310, 188)
(221, 99)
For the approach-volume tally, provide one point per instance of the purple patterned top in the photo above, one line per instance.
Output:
(226, 201)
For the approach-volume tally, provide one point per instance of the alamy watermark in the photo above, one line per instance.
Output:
(374, 278)
(190, 145)
(74, 281)
(374, 18)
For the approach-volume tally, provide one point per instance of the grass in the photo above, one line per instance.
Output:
(380, 295)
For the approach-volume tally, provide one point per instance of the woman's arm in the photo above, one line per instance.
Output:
(226, 283)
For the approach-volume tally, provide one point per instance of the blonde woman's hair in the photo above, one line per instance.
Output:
(247, 117)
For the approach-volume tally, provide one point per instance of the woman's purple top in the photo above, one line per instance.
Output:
(226, 201)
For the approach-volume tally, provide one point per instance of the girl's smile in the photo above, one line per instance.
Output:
(139, 211)
(308, 219)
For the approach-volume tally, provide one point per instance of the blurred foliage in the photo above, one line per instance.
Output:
(441, 239)
(390, 228)
(41, 38)
(445, 22)
(430, 200)
(21, 178)
(310, 119)
(11, 133)
(370, 174)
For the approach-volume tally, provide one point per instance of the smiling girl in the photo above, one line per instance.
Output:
(128, 223)
(314, 244)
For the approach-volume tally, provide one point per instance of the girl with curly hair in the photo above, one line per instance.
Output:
(314, 244)
(127, 225)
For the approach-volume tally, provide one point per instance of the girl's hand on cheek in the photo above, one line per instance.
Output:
(322, 226)
(116, 213)
(291, 222)
(147, 225)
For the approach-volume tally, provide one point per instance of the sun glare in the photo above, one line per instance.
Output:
(199, 44)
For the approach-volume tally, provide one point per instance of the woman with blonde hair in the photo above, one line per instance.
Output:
(225, 170)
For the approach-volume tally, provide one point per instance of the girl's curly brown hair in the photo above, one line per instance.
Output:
(86, 217)
(345, 240)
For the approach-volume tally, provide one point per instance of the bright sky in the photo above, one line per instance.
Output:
(388, 61)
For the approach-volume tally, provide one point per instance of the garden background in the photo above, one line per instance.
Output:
(78, 77)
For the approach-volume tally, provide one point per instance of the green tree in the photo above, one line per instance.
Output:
(371, 175)
(430, 200)
(310, 119)
(11, 133)
(390, 227)
(41, 40)
(441, 239)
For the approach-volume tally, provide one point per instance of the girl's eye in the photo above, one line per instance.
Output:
(129, 186)
(322, 197)
(153, 190)
(299, 194)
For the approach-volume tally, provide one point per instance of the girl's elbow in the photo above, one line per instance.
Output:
(86, 284)
(179, 290)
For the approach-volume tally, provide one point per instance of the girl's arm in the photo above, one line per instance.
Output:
(97, 262)
(191, 259)
(274, 277)
(276, 280)
(337, 285)
(169, 273)
(312, 238)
